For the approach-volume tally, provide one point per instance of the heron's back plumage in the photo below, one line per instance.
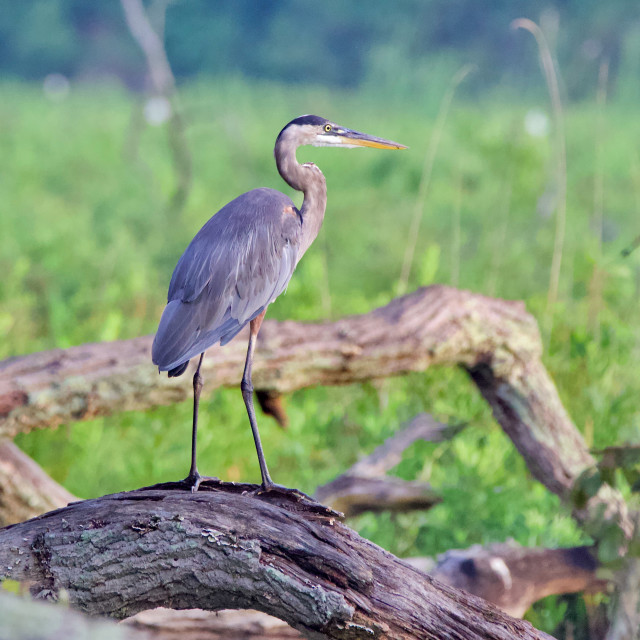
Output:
(238, 263)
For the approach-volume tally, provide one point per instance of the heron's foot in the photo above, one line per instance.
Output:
(194, 480)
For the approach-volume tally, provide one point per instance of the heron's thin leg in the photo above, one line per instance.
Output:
(194, 477)
(247, 394)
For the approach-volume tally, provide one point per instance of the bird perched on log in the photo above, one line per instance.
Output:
(242, 260)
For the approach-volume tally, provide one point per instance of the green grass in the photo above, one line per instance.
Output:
(88, 247)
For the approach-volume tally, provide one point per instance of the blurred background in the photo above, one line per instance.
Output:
(106, 174)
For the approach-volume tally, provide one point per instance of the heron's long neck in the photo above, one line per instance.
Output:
(310, 180)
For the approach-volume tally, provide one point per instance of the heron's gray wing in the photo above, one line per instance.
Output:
(238, 263)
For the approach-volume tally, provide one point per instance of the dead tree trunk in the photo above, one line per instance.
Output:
(225, 548)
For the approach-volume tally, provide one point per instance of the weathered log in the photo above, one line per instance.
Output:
(23, 619)
(507, 575)
(225, 548)
(25, 489)
(514, 577)
(496, 341)
(434, 325)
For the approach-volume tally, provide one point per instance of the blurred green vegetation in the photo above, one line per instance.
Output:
(403, 47)
(88, 247)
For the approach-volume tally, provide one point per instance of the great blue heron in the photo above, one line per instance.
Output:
(242, 260)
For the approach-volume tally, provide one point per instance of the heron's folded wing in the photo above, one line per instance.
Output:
(249, 261)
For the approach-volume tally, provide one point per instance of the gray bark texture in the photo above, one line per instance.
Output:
(227, 547)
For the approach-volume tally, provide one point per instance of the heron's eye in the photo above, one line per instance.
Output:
(327, 127)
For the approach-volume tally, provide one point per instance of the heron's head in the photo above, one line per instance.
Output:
(320, 132)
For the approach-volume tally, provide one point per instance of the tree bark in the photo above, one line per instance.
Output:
(507, 575)
(226, 548)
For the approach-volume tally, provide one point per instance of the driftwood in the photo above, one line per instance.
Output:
(365, 487)
(25, 489)
(225, 548)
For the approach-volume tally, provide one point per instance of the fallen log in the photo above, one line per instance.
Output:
(25, 489)
(228, 547)
(514, 577)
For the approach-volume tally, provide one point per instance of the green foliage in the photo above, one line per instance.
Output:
(89, 246)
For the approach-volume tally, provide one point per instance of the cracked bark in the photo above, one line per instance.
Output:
(220, 548)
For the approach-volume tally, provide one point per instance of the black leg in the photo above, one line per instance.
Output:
(194, 477)
(247, 394)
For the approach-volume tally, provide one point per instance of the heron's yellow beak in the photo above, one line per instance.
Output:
(357, 139)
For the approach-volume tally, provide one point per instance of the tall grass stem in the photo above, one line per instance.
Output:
(425, 178)
(551, 77)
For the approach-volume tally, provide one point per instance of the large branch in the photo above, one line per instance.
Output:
(507, 575)
(434, 325)
(514, 577)
(224, 548)
(497, 341)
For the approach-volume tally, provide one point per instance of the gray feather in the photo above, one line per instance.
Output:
(237, 264)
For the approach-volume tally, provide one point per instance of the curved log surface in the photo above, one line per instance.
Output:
(434, 325)
(225, 548)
